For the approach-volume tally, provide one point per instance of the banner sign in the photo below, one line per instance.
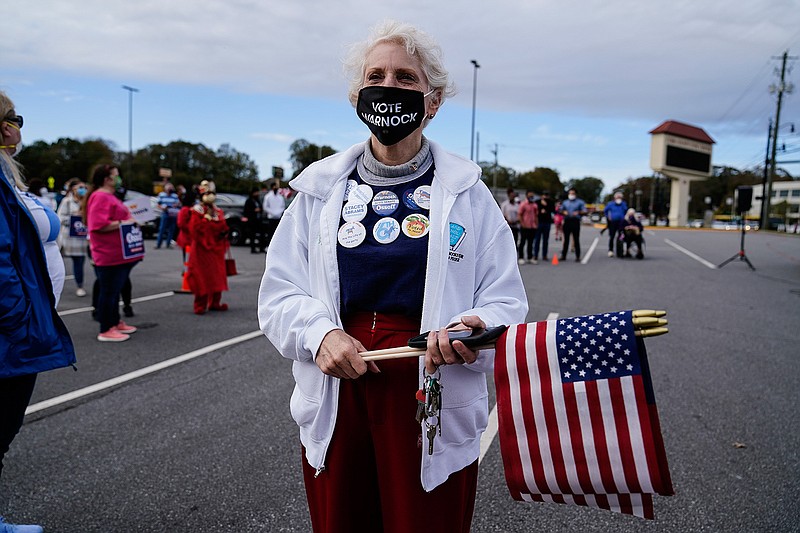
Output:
(132, 241)
(76, 227)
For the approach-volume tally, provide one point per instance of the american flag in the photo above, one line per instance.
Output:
(577, 417)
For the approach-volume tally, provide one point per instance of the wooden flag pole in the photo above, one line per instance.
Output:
(647, 323)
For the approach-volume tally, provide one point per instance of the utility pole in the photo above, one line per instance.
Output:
(476, 66)
(780, 89)
(130, 90)
(764, 210)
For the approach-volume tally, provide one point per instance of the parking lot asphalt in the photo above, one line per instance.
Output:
(205, 442)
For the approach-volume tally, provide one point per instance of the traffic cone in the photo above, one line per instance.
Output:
(555, 259)
(185, 289)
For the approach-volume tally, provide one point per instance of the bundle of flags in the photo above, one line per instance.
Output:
(577, 418)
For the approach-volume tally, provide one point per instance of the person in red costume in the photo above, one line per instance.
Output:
(209, 241)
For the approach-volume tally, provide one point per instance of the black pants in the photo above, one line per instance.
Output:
(272, 225)
(613, 230)
(572, 226)
(256, 236)
(15, 394)
(526, 242)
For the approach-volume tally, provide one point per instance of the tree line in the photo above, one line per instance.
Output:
(235, 172)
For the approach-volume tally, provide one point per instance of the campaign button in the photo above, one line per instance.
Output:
(385, 203)
(351, 184)
(386, 230)
(422, 196)
(361, 194)
(354, 211)
(408, 199)
(415, 225)
(351, 234)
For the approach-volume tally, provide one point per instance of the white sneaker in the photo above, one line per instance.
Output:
(610, 253)
(521, 262)
(80, 292)
(534, 261)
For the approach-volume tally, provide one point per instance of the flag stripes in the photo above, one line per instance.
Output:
(594, 442)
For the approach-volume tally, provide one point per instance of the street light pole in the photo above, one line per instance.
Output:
(474, 95)
(130, 90)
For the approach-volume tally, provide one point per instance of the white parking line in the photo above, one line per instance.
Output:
(591, 251)
(133, 301)
(74, 395)
(690, 254)
(492, 426)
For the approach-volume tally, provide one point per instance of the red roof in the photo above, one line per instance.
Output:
(679, 129)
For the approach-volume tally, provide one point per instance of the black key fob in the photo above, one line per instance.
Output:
(470, 337)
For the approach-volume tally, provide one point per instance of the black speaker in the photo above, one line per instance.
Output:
(744, 199)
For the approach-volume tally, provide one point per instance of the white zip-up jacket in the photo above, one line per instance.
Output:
(471, 270)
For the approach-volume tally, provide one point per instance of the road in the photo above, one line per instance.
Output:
(205, 441)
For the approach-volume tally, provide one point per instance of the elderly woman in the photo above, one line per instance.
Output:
(391, 237)
(33, 338)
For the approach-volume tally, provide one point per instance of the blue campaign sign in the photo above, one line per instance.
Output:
(132, 241)
(76, 227)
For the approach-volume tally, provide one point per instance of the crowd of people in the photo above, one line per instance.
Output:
(532, 219)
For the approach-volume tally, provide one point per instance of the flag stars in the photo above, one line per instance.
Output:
(615, 331)
(624, 337)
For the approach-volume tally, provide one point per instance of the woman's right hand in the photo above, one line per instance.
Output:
(338, 356)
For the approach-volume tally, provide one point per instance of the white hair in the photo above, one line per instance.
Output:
(417, 43)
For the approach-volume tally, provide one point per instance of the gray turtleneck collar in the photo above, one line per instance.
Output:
(374, 172)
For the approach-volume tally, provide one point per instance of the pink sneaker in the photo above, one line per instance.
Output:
(112, 335)
(122, 327)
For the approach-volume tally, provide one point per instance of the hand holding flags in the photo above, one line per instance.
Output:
(577, 416)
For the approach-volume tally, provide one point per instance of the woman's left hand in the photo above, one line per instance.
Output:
(440, 352)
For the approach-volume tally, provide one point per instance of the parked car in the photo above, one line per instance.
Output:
(233, 207)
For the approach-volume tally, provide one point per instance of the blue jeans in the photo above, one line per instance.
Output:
(77, 269)
(166, 229)
(542, 237)
(110, 281)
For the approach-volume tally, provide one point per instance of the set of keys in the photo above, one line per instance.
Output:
(429, 408)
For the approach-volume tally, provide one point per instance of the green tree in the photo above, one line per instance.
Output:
(588, 189)
(302, 153)
(64, 159)
(541, 179)
(498, 176)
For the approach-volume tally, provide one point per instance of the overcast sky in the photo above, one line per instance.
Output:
(571, 85)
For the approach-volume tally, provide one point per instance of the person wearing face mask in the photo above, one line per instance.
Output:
(209, 241)
(546, 209)
(573, 208)
(73, 229)
(33, 338)
(615, 216)
(116, 246)
(389, 238)
(528, 222)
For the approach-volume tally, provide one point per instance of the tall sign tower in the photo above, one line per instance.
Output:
(682, 153)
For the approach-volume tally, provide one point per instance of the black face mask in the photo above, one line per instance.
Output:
(391, 113)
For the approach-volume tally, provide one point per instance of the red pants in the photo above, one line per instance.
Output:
(372, 477)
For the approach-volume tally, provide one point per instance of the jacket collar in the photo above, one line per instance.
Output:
(455, 173)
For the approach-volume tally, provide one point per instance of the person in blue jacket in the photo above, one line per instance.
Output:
(615, 215)
(32, 336)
